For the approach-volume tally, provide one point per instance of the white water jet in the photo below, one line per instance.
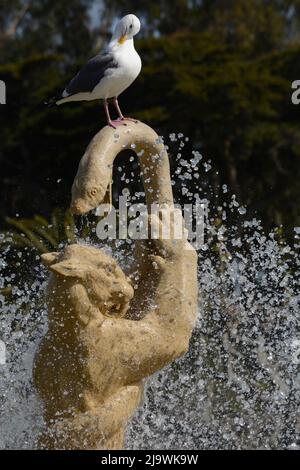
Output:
(239, 385)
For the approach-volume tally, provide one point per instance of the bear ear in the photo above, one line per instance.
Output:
(67, 268)
(49, 258)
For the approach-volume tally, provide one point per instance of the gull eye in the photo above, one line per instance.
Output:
(131, 26)
(93, 192)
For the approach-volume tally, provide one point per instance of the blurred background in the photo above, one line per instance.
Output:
(218, 71)
(216, 80)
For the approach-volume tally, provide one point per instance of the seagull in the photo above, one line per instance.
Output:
(109, 73)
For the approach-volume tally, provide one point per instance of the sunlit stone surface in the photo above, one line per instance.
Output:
(238, 387)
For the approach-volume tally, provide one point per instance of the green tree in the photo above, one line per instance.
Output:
(224, 70)
(218, 71)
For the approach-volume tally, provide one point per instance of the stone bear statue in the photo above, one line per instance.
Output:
(90, 366)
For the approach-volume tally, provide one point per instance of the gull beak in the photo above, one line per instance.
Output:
(122, 39)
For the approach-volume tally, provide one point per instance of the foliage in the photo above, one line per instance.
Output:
(40, 234)
(220, 72)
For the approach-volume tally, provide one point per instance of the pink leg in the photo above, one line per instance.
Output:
(121, 117)
(113, 124)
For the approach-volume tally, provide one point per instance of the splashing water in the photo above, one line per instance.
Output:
(239, 385)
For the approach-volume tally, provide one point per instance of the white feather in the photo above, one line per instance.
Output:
(117, 79)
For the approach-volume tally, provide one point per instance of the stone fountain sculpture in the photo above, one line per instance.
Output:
(105, 337)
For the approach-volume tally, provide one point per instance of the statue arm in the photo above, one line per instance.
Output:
(140, 348)
(145, 346)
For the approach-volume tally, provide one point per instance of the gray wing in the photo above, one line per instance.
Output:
(91, 74)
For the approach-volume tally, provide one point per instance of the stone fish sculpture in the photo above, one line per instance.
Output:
(104, 339)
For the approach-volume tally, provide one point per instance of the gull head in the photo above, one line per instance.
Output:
(127, 28)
